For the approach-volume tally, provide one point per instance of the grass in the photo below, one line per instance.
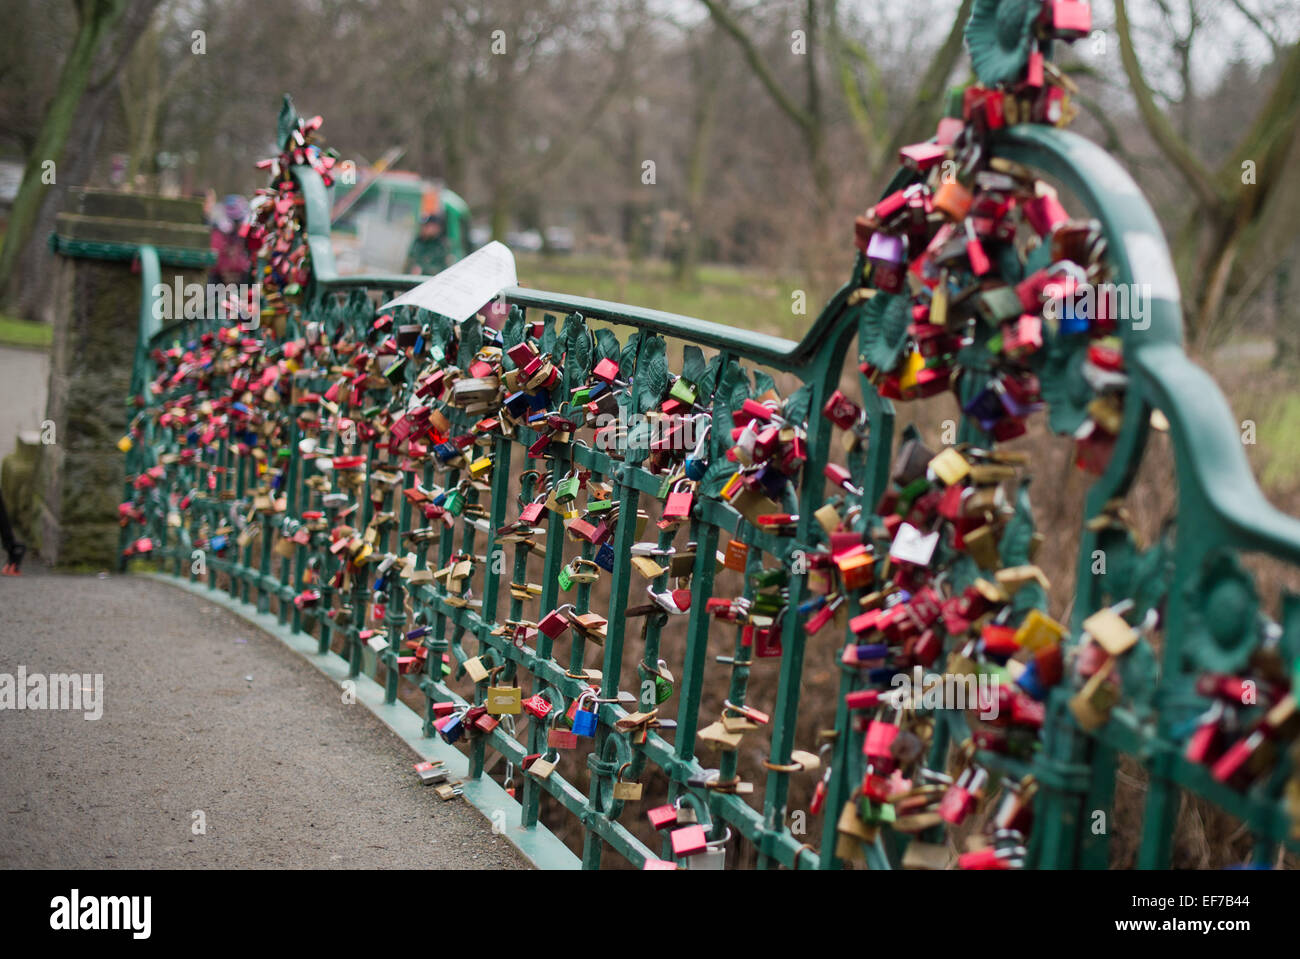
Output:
(1277, 430)
(15, 332)
(728, 295)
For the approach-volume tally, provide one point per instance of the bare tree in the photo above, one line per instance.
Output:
(1243, 213)
(105, 28)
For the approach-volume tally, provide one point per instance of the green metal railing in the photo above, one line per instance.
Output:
(1220, 514)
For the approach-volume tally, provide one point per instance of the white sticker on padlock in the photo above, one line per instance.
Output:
(913, 546)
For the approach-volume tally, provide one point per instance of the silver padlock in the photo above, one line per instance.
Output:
(714, 855)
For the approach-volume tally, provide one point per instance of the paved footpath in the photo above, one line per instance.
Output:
(202, 711)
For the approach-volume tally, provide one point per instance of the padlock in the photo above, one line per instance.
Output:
(713, 856)
(842, 411)
(503, 700)
(584, 721)
(566, 490)
(735, 555)
(605, 557)
(451, 728)
(1091, 706)
(979, 260)
(555, 622)
(542, 767)
(626, 791)
(887, 255)
(678, 506)
(537, 706)
(663, 684)
(697, 461)
(661, 817)
(475, 669)
(960, 798)
(688, 840)
(683, 391)
(561, 738)
(878, 743)
(431, 772)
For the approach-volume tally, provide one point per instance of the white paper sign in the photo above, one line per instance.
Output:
(462, 289)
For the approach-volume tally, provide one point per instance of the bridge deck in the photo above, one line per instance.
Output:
(202, 711)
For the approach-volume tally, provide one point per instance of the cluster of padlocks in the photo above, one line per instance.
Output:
(372, 447)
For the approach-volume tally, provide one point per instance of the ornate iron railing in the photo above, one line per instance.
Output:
(211, 448)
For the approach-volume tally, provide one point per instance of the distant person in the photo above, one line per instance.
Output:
(13, 548)
(234, 262)
(428, 252)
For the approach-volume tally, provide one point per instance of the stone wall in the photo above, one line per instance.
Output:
(95, 309)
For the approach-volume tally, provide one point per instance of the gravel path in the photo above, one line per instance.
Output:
(202, 711)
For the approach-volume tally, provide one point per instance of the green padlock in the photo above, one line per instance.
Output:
(769, 577)
(454, 503)
(565, 579)
(566, 490)
(663, 682)
(683, 391)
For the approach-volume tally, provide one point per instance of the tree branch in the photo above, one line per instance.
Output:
(919, 119)
(1171, 144)
(1259, 25)
(765, 76)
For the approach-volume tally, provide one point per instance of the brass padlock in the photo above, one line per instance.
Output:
(626, 791)
(1092, 704)
(828, 517)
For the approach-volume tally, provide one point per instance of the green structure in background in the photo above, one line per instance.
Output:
(374, 222)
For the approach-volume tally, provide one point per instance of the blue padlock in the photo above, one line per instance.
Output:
(605, 557)
(517, 403)
(1029, 682)
(697, 463)
(584, 723)
(882, 675)
(217, 543)
(986, 409)
(451, 728)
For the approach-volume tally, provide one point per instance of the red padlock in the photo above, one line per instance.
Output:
(959, 800)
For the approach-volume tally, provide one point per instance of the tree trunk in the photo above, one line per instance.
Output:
(707, 69)
(97, 20)
(33, 294)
